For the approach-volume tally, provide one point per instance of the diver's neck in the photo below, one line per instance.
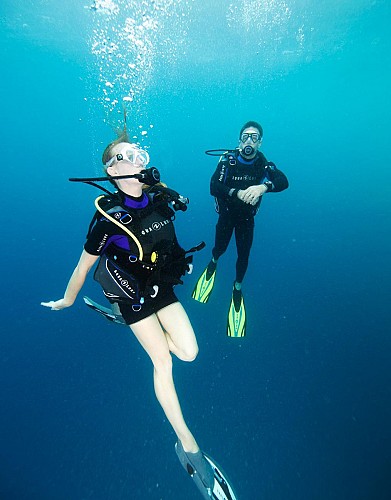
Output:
(248, 159)
(134, 191)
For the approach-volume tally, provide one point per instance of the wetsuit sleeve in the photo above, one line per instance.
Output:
(98, 237)
(276, 177)
(218, 188)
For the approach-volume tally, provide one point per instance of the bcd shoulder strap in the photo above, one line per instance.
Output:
(121, 226)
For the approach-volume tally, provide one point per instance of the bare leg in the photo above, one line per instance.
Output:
(151, 336)
(179, 332)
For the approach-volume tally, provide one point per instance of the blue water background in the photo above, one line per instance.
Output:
(300, 408)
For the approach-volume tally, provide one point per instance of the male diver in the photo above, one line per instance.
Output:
(238, 184)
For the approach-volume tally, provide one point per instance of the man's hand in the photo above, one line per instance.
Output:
(252, 194)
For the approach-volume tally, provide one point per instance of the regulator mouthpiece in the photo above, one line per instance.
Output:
(149, 176)
(248, 150)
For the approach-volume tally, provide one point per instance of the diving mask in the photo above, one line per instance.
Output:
(131, 153)
(254, 136)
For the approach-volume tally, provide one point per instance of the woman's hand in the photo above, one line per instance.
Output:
(57, 305)
(75, 283)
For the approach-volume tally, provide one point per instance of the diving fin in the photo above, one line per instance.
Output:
(112, 314)
(206, 474)
(205, 283)
(236, 322)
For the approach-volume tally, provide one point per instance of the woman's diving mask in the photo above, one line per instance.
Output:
(131, 153)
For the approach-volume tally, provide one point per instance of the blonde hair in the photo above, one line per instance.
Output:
(122, 136)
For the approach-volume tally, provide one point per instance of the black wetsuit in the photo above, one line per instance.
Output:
(152, 224)
(233, 173)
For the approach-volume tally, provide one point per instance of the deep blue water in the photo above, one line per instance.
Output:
(300, 408)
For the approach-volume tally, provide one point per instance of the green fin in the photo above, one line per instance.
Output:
(236, 323)
(204, 286)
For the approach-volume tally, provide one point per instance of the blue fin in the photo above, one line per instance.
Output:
(110, 314)
(206, 474)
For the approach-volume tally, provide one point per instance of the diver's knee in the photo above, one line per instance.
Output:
(163, 364)
(189, 354)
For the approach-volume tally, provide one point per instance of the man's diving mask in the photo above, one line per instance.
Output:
(255, 136)
(131, 153)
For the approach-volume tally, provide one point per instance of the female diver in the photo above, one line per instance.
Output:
(146, 300)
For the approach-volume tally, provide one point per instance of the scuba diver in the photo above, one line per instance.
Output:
(241, 179)
(132, 236)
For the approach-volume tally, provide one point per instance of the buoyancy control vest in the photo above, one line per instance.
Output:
(232, 175)
(154, 256)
